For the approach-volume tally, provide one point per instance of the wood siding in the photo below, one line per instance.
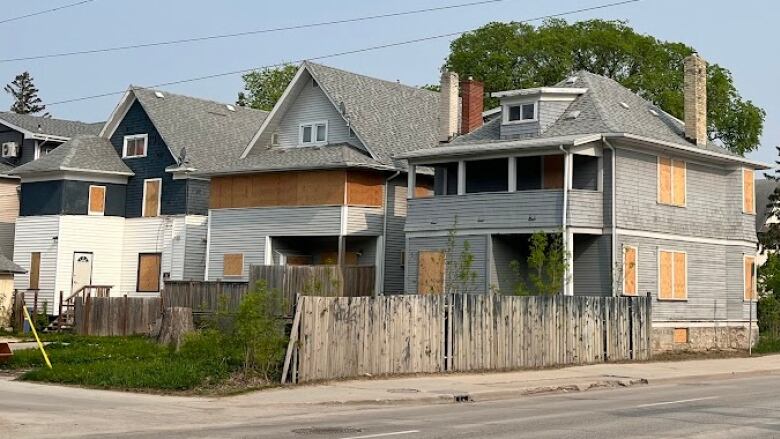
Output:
(365, 188)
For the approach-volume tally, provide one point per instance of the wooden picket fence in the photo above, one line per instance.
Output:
(437, 333)
(106, 316)
(205, 298)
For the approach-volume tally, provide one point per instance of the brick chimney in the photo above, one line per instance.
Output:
(695, 89)
(448, 106)
(472, 95)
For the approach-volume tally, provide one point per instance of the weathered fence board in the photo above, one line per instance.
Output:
(346, 337)
(106, 316)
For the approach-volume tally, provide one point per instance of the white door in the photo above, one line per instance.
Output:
(82, 270)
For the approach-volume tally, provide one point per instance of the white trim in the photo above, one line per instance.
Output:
(95, 178)
(658, 274)
(512, 174)
(208, 246)
(118, 114)
(697, 240)
(636, 271)
(26, 134)
(480, 232)
(586, 230)
(89, 201)
(745, 256)
(505, 113)
(135, 137)
(313, 125)
(159, 197)
(539, 90)
(268, 254)
(461, 177)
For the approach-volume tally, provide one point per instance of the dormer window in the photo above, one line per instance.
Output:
(135, 146)
(521, 112)
(315, 133)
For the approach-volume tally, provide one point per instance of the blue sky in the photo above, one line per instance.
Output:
(737, 35)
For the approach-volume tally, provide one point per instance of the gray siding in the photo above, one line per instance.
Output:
(395, 239)
(244, 230)
(525, 209)
(714, 200)
(548, 112)
(714, 279)
(585, 208)
(519, 130)
(195, 248)
(478, 248)
(592, 274)
(505, 250)
(366, 221)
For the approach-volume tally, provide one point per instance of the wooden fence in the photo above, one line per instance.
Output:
(116, 315)
(413, 334)
(202, 296)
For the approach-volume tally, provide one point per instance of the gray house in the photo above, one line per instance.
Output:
(646, 204)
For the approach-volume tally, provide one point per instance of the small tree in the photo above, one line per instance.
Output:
(259, 328)
(263, 88)
(25, 95)
(546, 263)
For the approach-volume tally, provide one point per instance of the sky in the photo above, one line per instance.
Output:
(738, 35)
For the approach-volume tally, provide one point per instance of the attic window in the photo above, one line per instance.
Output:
(313, 133)
(624, 105)
(135, 146)
(230, 107)
(521, 112)
(159, 94)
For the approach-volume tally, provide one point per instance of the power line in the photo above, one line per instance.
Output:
(33, 14)
(338, 54)
(246, 33)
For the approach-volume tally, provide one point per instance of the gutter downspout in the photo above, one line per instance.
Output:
(564, 227)
(613, 159)
(381, 278)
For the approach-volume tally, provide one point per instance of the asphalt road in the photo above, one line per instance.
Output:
(747, 407)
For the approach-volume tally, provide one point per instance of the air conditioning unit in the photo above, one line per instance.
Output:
(10, 150)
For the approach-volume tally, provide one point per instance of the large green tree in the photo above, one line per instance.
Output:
(25, 95)
(516, 55)
(262, 88)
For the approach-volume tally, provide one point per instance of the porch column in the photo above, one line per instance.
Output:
(411, 181)
(461, 177)
(512, 166)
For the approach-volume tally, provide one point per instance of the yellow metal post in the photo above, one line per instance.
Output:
(35, 333)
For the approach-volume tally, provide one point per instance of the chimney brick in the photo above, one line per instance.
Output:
(695, 101)
(472, 105)
(448, 106)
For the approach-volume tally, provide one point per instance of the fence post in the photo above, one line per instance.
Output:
(87, 313)
(35, 303)
(59, 311)
(124, 316)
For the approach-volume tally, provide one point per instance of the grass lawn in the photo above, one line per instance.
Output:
(129, 363)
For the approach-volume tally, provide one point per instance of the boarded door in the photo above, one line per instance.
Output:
(82, 270)
(149, 272)
(430, 275)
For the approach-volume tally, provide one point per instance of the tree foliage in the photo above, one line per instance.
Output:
(516, 55)
(262, 88)
(546, 266)
(25, 95)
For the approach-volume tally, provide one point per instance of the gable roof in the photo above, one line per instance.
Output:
(38, 126)
(8, 266)
(389, 118)
(84, 153)
(209, 132)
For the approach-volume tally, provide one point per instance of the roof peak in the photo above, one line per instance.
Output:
(373, 78)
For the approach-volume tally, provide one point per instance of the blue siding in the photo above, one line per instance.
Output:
(158, 157)
(68, 197)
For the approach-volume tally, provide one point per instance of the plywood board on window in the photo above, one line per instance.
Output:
(149, 265)
(35, 271)
(233, 264)
(664, 180)
(680, 276)
(749, 194)
(97, 199)
(295, 188)
(749, 277)
(629, 271)
(424, 187)
(680, 335)
(430, 274)
(665, 262)
(553, 172)
(678, 182)
(365, 188)
(332, 258)
(151, 198)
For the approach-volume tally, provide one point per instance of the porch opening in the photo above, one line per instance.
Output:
(445, 180)
(323, 250)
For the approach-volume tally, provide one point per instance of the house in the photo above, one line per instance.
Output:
(318, 182)
(123, 208)
(645, 202)
(7, 271)
(24, 138)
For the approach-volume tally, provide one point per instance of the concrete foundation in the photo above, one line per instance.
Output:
(698, 337)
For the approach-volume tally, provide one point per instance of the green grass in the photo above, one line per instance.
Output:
(132, 363)
(767, 345)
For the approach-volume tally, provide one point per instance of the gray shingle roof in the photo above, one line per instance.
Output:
(211, 133)
(391, 118)
(764, 188)
(50, 126)
(7, 266)
(5, 168)
(81, 153)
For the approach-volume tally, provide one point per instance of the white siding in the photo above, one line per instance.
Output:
(151, 235)
(195, 247)
(36, 234)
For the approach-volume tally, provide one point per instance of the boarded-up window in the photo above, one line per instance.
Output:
(97, 200)
(748, 192)
(750, 278)
(149, 265)
(672, 275)
(152, 193)
(553, 172)
(332, 258)
(35, 271)
(680, 335)
(629, 271)
(672, 175)
(430, 275)
(233, 264)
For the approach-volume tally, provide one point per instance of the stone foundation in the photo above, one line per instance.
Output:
(702, 337)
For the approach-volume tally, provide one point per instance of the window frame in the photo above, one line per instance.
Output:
(753, 173)
(159, 198)
(636, 270)
(145, 137)
(658, 275)
(90, 212)
(507, 107)
(138, 273)
(745, 257)
(313, 126)
(671, 183)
